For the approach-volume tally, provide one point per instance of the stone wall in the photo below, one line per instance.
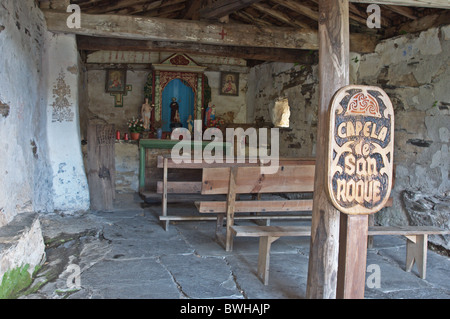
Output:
(414, 72)
(127, 166)
(270, 82)
(102, 106)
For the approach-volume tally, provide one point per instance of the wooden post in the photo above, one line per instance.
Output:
(352, 256)
(141, 167)
(264, 257)
(333, 74)
(359, 174)
(231, 201)
(101, 165)
(164, 195)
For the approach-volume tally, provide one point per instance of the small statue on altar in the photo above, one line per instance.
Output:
(210, 114)
(190, 123)
(146, 113)
(177, 117)
(174, 111)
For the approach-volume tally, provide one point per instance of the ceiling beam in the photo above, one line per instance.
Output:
(404, 11)
(279, 15)
(443, 4)
(123, 4)
(199, 32)
(264, 54)
(159, 29)
(221, 8)
(420, 24)
(299, 8)
(191, 12)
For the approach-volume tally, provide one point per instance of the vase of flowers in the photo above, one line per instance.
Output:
(157, 127)
(136, 127)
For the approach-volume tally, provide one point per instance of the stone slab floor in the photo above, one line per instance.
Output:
(126, 254)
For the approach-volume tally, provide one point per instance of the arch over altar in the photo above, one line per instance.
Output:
(177, 66)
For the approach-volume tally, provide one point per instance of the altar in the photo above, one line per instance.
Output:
(179, 80)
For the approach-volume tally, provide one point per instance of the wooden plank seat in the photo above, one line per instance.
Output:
(232, 181)
(416, 245)
(190, 191)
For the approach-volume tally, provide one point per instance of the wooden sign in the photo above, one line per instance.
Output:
(360, 149)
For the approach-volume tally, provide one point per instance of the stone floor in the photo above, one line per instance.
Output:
(126, 254)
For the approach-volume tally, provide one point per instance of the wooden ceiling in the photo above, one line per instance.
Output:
(264, 15)
(283, 13)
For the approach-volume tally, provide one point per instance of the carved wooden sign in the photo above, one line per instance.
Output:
(360, 149)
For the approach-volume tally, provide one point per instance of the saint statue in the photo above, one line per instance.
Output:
(146, 113)
(190, 123)
(174, 115)
(210, 114)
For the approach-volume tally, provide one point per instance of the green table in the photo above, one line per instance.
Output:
(168, 144)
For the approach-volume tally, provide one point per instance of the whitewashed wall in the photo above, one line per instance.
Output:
(70, 190)
(25, 175)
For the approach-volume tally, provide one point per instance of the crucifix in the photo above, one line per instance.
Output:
(118, 97)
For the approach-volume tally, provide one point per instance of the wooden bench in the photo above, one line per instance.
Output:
(232, 181)
(190, 191)
(416, 245)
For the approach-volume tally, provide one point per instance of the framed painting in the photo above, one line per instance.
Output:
(116, 81)
(229, 83)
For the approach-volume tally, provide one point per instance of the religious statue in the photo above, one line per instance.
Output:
(210, 114)
(190, 123)
(146, 113)
(174, 111)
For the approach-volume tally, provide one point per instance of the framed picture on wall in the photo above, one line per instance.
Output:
(229, 83)
(116, 81)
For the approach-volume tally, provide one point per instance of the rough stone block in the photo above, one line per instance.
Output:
(21, 248)
(429, 210)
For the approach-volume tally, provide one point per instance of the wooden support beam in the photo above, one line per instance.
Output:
(251, 19)
(253, 53)
(57, 5)
(404, 11)
(222, 8)
(256, 206)
(231, 201)
(192, 10)
(333, 75)
(277, 14)
(352, 256)
(443, 4)
(198, 32)
(158, 29)
(421, 24)
(299, 8)
(124, 4)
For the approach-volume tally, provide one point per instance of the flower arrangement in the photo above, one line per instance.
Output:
(136, 125)
(217, 122)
